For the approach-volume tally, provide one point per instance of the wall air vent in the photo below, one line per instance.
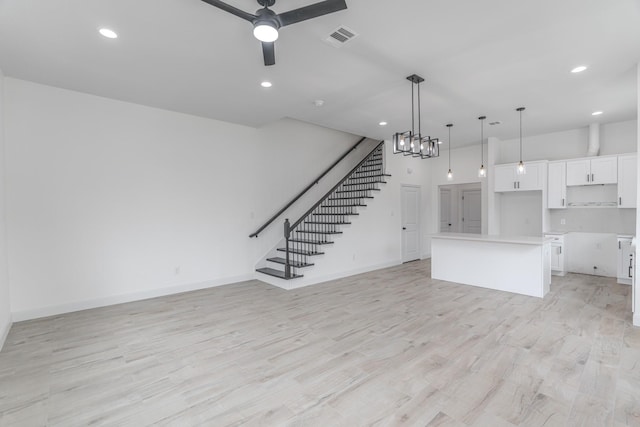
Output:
(341, 36)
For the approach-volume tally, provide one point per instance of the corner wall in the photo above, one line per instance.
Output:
(636, 315)
(5, 306)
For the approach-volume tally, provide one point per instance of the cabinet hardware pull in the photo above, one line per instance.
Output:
(619, 245)
(592, 179)
(518, 184)
(587, 177)
(562, 202)
(630, 272)
(514, 184)
(560, 247)
(620, 200)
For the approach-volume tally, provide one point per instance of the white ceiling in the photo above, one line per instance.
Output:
(478, 57)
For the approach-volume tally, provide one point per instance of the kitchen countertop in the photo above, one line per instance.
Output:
(520, 240)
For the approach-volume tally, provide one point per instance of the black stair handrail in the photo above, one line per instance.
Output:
(315, 182)
(330, 192)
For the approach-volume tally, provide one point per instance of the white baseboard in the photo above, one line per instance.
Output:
(301, 283)
(55, 310)
(4, 331)
(636, 319)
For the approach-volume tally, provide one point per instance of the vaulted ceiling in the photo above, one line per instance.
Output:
(478, 57)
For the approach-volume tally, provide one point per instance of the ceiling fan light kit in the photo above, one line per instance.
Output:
(266, 22)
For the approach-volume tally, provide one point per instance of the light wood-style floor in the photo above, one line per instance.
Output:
(387, 348)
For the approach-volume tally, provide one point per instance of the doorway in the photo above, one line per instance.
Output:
(460, 208)
(410, 212)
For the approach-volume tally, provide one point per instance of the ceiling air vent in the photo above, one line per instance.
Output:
(341, 36)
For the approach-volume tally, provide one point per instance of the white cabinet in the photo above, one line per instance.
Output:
(506, 178)
(625, 260)
(598, 170)
(558, 258)
(627, 181)
(557, 185)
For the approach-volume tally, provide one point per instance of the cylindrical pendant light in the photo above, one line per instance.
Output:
(482, 172)
(521, 170)
(450, 174)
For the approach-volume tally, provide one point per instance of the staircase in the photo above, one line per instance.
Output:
(311, 234)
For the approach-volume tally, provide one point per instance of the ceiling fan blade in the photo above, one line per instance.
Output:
(233, 10)
(311, 11)
(269, 53)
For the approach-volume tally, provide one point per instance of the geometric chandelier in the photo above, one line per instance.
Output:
(410, 143)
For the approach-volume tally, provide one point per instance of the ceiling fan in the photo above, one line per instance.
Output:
(266, 22)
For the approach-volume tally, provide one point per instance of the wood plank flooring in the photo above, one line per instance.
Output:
(387, 348)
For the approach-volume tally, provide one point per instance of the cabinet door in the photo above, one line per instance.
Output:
(624, 257)
(627, 181)
(504, 178)
(557, 191)
(578, 172)
(532, 180)
(556, 254)
(604, 170)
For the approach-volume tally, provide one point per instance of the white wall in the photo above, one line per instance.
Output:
(109, 201)
(465, 163)
(5, 307)
(636, 315)
(615, 138)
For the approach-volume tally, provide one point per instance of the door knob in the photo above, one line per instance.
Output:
(404, 228)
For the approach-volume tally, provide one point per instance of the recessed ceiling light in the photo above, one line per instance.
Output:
(383, 123)
(106, 32)
(596, 113)
(579, 69)
(266, 84)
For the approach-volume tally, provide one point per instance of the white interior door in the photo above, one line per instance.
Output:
(445, 210)
(471, 211)
(410, 223)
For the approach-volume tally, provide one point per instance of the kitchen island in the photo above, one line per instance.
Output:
(518, 264)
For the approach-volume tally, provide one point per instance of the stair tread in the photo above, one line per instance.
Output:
(311, 242)
(277, 273)
(327, 223)
(318, 232)
(295, 251)
(363, 183)
(341, 206)
(368, 176)
(283, 261)
(342, 214)
(357, 191)
(350, 198)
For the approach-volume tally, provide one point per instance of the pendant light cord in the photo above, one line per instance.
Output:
(482, 141)
(413, 114)
(449, 126)
(520, 109)
(419, 116)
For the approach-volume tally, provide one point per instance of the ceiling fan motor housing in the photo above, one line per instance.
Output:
(266, 3)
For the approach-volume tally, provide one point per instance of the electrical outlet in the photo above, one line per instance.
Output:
(177, 270)
(563, 221)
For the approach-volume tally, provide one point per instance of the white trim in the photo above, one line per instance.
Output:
(303, 282)
(5, 333)
(636, 319)
(54, 310)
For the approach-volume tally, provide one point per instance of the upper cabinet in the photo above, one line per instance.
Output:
(557, 185)
(627, 181)
(598, 170)
(506, 179)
